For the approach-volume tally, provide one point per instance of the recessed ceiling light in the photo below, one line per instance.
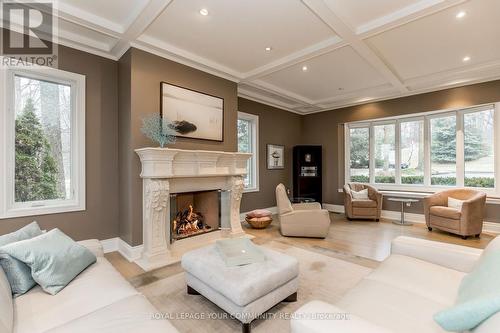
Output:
(465, 59)
(268, 48)
(204, 11)
(304, 68)
(461, 14)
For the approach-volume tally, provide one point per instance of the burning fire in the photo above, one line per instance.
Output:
(188, 222)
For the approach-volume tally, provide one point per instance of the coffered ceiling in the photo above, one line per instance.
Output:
(302, 55)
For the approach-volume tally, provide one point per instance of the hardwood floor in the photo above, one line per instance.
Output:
(362, 242)
(364, 239)
(127, 269)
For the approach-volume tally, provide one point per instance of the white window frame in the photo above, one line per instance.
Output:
(426, 117)
(347, 149)
(254, 161)
(398, 154)
(372, 144)
(8, 207)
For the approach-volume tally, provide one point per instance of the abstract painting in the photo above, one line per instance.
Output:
(192, 114)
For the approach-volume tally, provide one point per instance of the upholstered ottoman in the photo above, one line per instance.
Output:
(244, 292)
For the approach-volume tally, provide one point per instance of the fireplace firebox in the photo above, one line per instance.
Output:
(194, 213)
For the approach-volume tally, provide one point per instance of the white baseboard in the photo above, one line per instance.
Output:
(492, 227)
(273, 210)
(488, 227)
(131, 253)
(110, 245)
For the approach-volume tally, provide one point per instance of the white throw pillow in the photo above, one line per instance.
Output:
(363, 194)
(455, 203)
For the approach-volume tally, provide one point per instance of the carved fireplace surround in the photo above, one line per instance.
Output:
(166, 171)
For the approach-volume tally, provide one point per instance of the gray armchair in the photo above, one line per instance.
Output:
(303, 219)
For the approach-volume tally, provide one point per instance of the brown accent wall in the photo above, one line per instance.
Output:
(326, 128)
(276, 126)
(140, 76)
(100, 219)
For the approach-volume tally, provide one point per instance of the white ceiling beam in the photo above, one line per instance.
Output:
(88, 20)
(326, 14)
(366, 92)
(259, 84)
(261, 98)
(486, 70)
(137, 27)
(312, 51)
(183, 57)
(427, 89)
(403, 16)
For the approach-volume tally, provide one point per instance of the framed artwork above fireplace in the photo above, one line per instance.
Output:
(192, 114)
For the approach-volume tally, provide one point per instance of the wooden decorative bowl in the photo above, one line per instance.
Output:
(259, 222)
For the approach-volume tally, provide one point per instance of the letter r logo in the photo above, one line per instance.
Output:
(36, 21)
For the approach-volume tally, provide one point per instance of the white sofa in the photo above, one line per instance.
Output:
(417, 280)
(98, 300)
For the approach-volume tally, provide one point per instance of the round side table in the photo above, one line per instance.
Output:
(404, 202)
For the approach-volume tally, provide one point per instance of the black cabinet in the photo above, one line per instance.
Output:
(307, 180)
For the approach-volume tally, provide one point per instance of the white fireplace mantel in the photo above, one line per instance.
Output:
(166, 171)
(173, 163)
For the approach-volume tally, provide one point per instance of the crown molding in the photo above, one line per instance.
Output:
(259, 84)
(411, 93)
(243, 93)
(187, 59)
(88, 20)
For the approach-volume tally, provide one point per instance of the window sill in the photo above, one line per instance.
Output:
(491, 198)
(48, 210)
(250, 190)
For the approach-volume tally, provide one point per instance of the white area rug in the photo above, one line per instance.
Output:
(321, 278)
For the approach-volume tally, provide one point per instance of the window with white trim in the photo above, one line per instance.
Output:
(248, 142)
(43, 145)
(426, 151)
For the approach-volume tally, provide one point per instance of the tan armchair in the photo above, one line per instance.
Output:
(465, 222)
(370, 208)
(303, 219)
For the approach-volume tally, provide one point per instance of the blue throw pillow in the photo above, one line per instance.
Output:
(478, 296)
(26, 232)
(54, 259)
(18, 273)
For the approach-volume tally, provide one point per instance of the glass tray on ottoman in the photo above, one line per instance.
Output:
(239, 251)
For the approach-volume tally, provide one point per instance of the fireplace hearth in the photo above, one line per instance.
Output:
(194, 213)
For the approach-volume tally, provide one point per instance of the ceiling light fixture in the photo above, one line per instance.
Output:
(304, 68)
(461, 14)
(204, 11)
(465, 59)
(268, 48)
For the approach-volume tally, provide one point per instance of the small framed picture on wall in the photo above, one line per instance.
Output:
(275, 157)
